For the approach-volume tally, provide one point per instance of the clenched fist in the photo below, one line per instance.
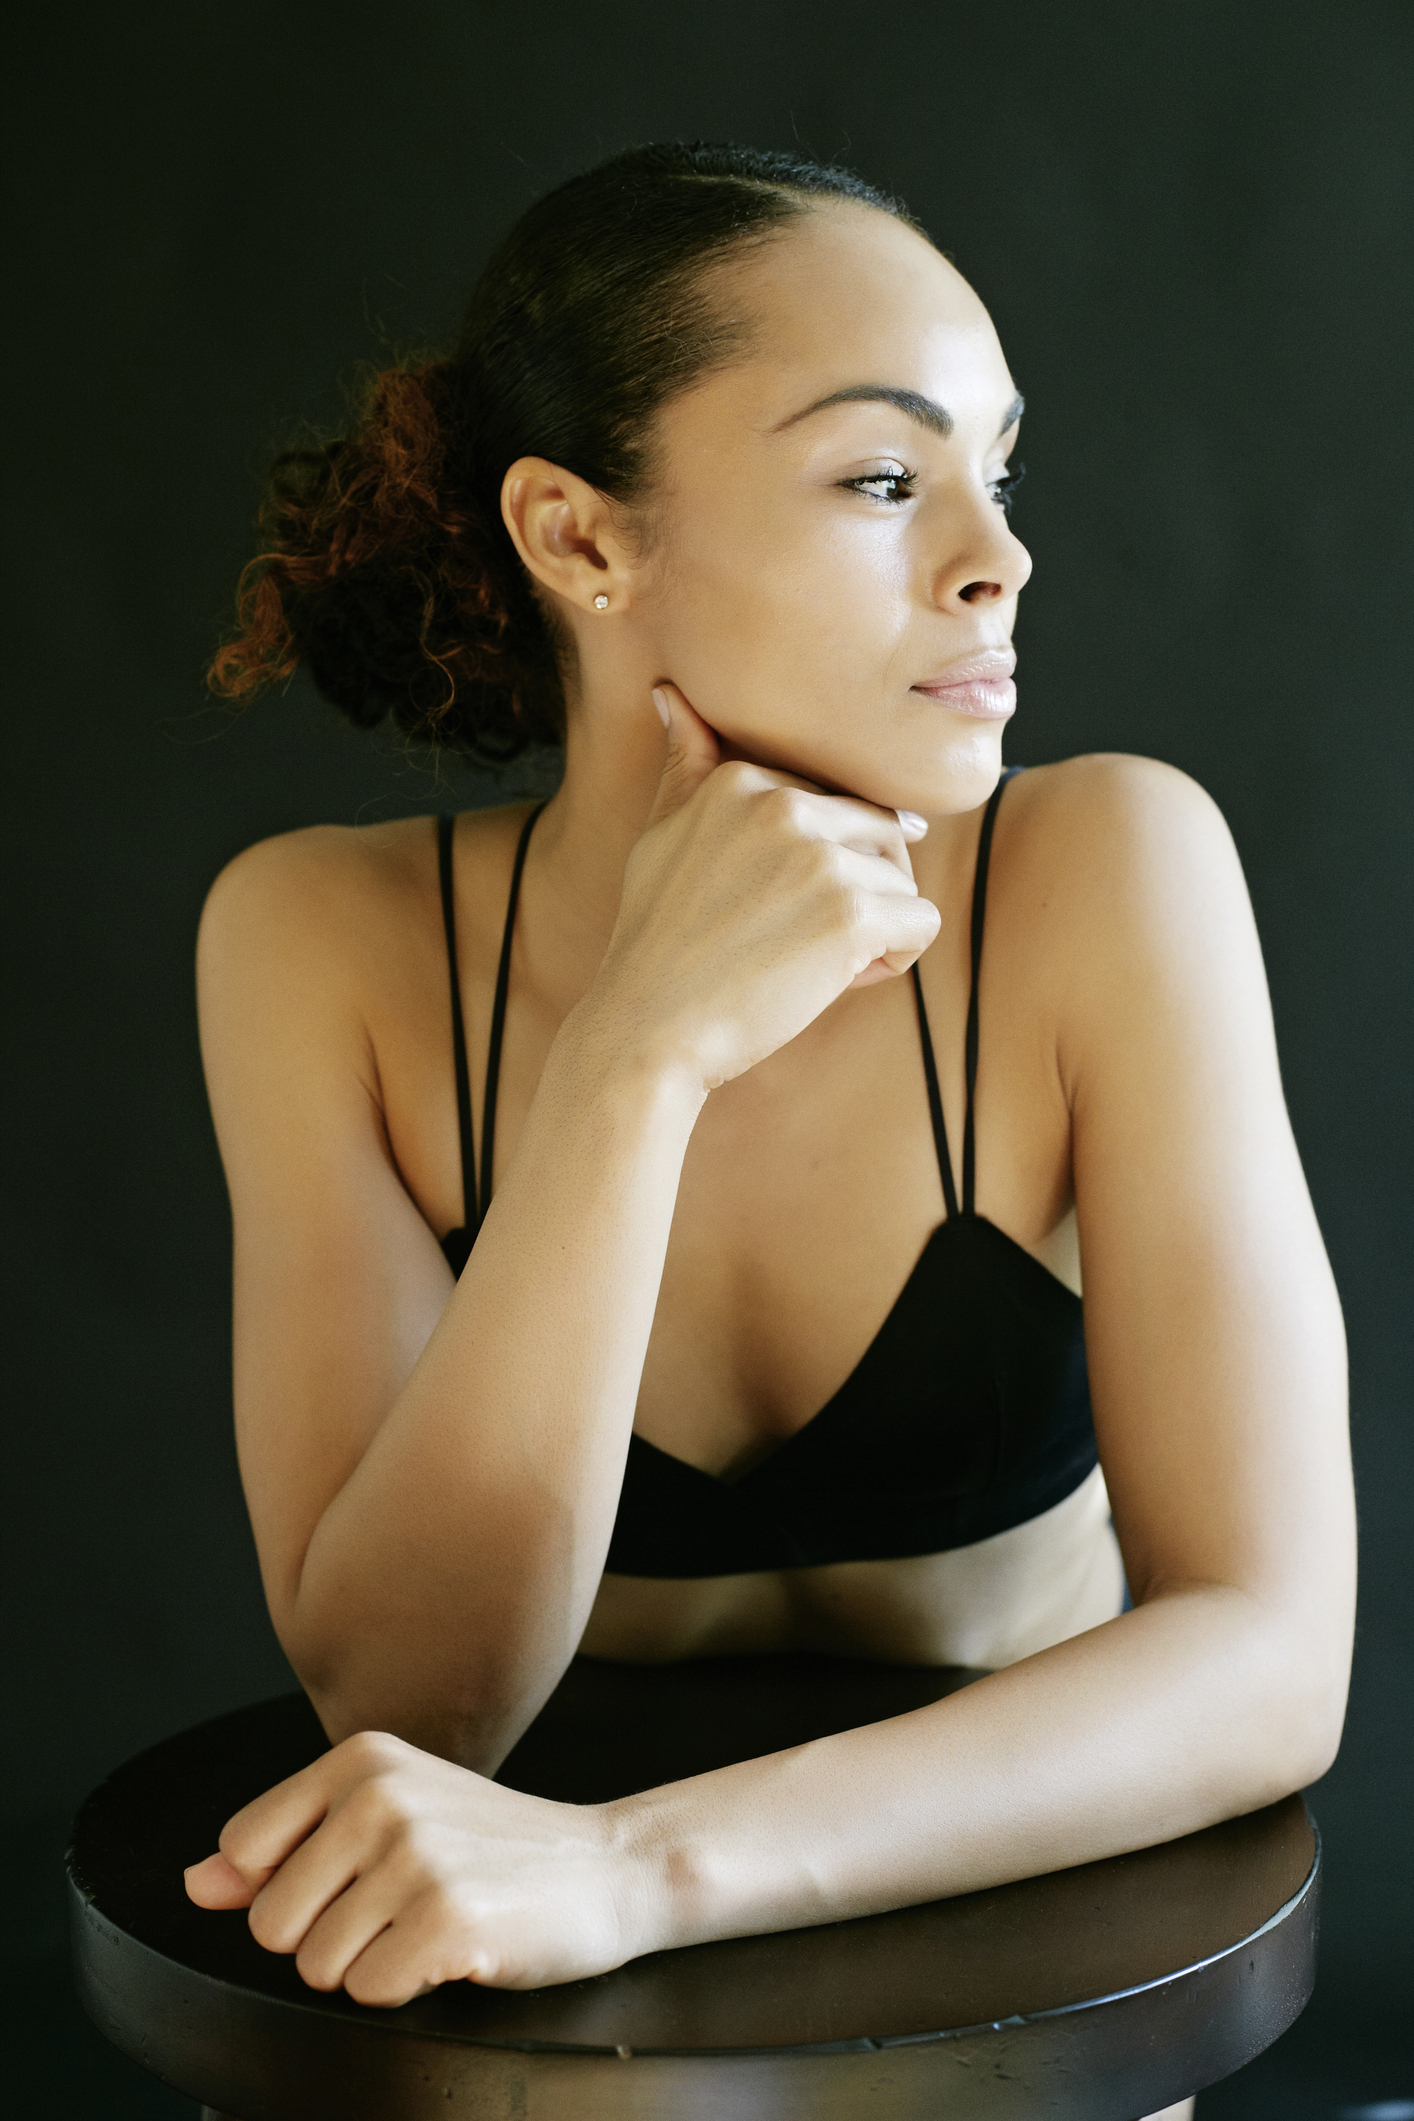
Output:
(751, 901)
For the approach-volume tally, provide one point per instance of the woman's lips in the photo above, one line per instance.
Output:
(980, 685)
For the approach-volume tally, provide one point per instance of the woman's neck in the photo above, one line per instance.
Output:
(575, 869)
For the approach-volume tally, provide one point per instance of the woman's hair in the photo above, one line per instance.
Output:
(385, 565)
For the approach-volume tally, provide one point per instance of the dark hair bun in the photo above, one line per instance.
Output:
(379, 575)
(385, 565)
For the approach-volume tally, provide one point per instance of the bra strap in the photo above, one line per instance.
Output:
(445, 828)
(979, 914)
(935, 1101)
(498, 1022)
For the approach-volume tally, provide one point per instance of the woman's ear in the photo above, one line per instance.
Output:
(564, 530)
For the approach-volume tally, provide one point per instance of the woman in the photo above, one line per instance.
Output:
(723, 452)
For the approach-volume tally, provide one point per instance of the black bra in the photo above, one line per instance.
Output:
(969, 1411)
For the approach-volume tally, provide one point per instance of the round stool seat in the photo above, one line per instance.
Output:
(1100, 1993)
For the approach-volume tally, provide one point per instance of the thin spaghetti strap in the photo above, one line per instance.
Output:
(498, 1023)
(935, 1101)
(979, 914)
(445, 828)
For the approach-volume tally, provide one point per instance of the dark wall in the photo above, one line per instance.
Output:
(1193, 224)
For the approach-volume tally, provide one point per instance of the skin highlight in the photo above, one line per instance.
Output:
(714, 1174)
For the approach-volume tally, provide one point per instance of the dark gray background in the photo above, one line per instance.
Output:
(1193, 226)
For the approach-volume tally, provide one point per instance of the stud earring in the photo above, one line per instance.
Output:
(601, 602)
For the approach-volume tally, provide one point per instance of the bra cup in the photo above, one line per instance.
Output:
(956, 1392)
(968, 1413)
(920, 1413)
(1034, 1328)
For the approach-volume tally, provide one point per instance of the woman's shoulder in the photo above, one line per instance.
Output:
(1109, 829)
(311, 903)
(1117, 789)
(331, 930)
(1120, 896)
(317, 950)
(343, 885)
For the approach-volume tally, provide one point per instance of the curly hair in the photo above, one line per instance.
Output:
(385, 566)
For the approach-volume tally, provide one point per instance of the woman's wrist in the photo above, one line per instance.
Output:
(688, 1865)
(741, 1849)
(658, 1888)
(612, 1052)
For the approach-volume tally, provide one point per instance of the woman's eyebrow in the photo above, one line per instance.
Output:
(926, 411)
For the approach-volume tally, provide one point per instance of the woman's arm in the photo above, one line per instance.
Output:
(432, 1470)
(1217, 1368)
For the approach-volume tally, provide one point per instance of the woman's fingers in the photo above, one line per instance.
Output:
(347, 1842)
(394, 1934)
(303, 1858)
(430, 1940)
(849, 822)
(334, 1820)
(364, 1910)
(751, 902)
(418, 1872)
(905, 929)
(893, 923)
(214, 1883)
(692, 753)
(259, 1838)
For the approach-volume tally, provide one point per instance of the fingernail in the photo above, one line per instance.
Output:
(912, 825)
(660, 701)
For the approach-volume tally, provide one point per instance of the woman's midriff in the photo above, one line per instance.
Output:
(985, 1605)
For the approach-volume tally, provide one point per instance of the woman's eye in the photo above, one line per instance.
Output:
(884, 485)
(1003, 490)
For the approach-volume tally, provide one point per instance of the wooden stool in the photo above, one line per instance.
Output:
(1095, 1994)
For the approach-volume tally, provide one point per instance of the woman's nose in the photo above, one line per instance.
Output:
(990, 567)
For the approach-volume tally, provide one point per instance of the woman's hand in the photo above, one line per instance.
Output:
(386, 1871)
(751, 901)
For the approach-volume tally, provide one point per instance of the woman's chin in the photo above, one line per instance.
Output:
(953, 771)
(960, 781)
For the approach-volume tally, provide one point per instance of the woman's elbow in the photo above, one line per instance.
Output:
(1296, 1719)
(1316, 1741)
(470, 1716)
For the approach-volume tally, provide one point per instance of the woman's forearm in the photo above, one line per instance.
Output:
(446, 1586)
(1195, 1708)
(433, 1540)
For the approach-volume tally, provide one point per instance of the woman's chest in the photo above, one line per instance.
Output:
(807, 1196)
(806, 1258)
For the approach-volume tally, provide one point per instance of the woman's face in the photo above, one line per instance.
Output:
(830, 547)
